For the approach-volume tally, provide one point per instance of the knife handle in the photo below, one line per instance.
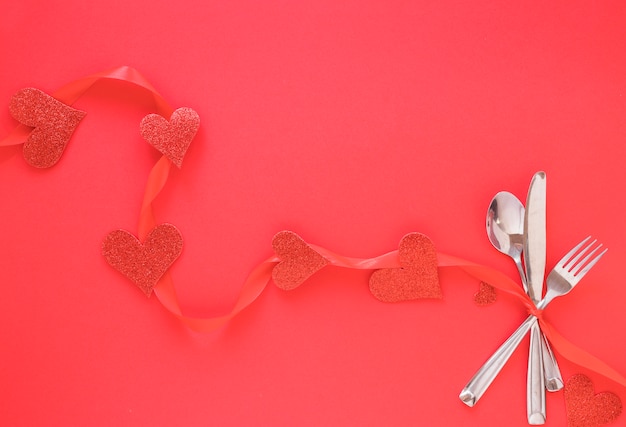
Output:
(535, 386)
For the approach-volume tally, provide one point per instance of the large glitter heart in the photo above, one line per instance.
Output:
(298, 260)
(586, 409)
(416, 278)
(171, 138)
(53, 123)
(143, 263)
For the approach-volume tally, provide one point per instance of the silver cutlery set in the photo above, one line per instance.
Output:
(521, 234)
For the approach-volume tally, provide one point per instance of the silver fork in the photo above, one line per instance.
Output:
(561, 280)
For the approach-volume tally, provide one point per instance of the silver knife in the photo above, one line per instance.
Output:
(535, 236)
(535, 264)
(551, 372)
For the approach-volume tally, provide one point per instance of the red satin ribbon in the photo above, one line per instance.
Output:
(559, 343)
(72, 91)
(261, 275)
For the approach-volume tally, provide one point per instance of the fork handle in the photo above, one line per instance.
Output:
(554, 379)
(479, 383)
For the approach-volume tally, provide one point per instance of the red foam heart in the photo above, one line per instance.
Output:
(171, 138)
(486, 295)
(298, 260)
(586, 409)
(53, 123)
(416, 278)
(143, 263)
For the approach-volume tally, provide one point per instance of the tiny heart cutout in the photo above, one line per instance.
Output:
(586, 409)
(143, 263)
(298, 260)
(53, 123)
(416, 278)
(486, 295)
(171, 138)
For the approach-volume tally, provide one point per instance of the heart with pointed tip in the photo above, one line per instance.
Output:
(144, 263)
(53, 121)
(171, 137)
(486, 295)
(298, 261)
(585, 408)
(417, 277)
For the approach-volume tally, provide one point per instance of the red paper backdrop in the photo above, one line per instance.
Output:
(351, 124)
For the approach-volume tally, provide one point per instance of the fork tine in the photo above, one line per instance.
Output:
(579, 275)
(569, 262)
(576, 263)
(589, 253)
(582, 262)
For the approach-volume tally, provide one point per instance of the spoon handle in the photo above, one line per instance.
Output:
(479, 383)
(483, 378)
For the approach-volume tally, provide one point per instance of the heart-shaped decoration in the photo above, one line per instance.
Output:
(171, 138)
(53, 123)
(298, 260)
(586, 409)
(416, 278)
(486, 295)
(143, 263)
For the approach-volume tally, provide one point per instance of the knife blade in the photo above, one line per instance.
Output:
(535, 236)
(535, 265)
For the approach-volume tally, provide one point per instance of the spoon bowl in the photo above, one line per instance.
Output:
(505, 227)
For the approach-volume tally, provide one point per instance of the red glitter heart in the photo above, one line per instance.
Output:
(298, 260)
(486, 295)
(586, 409)
(143, 264)
(171, 138)
(416, 278)
(53, 123)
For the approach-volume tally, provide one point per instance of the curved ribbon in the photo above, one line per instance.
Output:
(579, 356)
(563, 346)
(261, 275)
(72, 91)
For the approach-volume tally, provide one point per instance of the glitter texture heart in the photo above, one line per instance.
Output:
(586, 409)
(486, 295)
(53, 123)
(172, 138)
(143, 263)
(417, 277)
(298, 260)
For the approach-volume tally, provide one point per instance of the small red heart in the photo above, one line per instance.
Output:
(53, 123)
(298, 260)
(586, 409)
(416, 278)
(143, 263)
(486, 295)
(171, 138)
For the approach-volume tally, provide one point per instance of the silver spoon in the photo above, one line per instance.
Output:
(505, 229)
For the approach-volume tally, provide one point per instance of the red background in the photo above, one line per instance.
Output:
(349, 123)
